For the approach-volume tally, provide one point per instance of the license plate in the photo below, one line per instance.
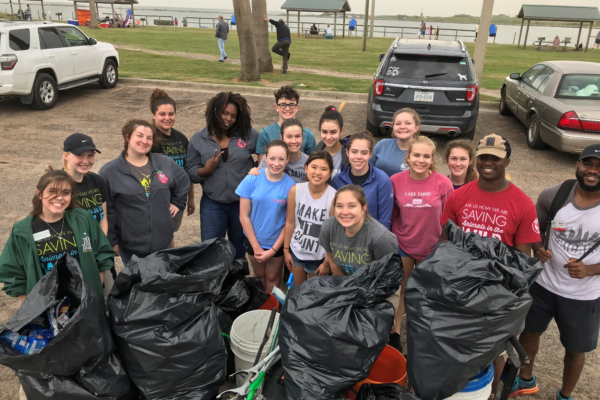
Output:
(424, 96)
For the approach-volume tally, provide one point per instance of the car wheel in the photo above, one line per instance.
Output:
(504, 110)
(534, 141)
(468, 135)
(45, 92)
(375, 131)
(110, 75)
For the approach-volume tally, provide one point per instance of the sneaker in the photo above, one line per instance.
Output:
(221, 61)
(225, 58)
(285, 72)
(289, 55)
(394, 341)
(561, 397)
(522, 388)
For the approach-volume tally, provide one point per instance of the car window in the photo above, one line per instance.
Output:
(434, 68)
(49, 39)
(540, 81)
(579, 87)
(18, 39)
(74, 36)
(530, 73)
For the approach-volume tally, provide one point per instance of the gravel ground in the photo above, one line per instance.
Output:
(31, 140)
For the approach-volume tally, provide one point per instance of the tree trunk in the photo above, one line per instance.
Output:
(245, 30)
(261, 35)
(93, 16)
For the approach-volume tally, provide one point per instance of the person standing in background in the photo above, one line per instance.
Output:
(176, 22)
(28, 12)
(437, 32)
(284, 41)
(597, 44)
(422, 30)
(476, 31)
(221, 35)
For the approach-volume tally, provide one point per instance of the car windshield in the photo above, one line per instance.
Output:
(579, 87)
(434, 68)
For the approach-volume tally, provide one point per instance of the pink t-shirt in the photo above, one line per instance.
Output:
(417, 211)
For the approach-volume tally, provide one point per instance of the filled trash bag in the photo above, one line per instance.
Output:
(238, 295)
(165, 322)
(463, 303)
(80, 362)
(387, 391)
(332, 329)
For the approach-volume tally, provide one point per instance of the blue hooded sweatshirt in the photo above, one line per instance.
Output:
(378, 190)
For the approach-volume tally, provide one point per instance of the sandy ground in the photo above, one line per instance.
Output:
(31, 140)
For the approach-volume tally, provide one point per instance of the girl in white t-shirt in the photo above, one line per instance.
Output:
(309, 205)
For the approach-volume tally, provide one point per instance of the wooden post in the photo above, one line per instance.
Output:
(112, 7)
(12, 12)
(75, 7)
(401, 32)
(520, 33)
(366, 26)
(97, 10)
(334, 24)
(587, 43)
(384, 31)
(298, 23)
(344, 26)
(287, 17)
(578, 35)
(43, 11)
(372, 19)
(526, 34)
(132, 15)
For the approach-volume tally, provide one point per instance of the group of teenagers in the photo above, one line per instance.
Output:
(317, 209)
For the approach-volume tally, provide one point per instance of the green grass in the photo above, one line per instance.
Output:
(332, 55)
(137, 64)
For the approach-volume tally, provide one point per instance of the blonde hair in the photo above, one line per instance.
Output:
(413, 114)
(64, 160)
(422, 140)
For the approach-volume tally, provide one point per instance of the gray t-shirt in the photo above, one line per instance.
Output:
(371, 243)
(337, 163)
(294, 169)
(142, 174)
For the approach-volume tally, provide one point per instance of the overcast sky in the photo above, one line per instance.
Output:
(394, 7)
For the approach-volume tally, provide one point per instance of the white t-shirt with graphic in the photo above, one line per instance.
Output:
(578, 230)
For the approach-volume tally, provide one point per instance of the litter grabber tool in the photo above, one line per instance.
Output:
(267, 335)
(517, 358)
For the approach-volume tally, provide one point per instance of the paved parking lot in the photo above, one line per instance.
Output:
(31, 140)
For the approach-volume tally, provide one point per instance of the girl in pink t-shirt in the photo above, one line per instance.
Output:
(420, 194)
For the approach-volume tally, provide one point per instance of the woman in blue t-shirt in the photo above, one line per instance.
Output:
(263, 207)
(389, 154)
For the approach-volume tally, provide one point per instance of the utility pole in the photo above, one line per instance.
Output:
(484, 28)
(366, 23)
(372, 19)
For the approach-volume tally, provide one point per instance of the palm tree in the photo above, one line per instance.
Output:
(245, 29)
(261, 35)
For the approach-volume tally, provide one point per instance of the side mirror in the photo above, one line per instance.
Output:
(381, 57)
(515, 76)
(93, 41)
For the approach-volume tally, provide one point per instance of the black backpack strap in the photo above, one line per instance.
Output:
(557, 203)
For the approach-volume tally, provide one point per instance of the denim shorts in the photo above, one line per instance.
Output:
(402, 253)
(310, 267)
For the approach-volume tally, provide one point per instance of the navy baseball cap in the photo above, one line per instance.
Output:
(78, 143)
(590, 151)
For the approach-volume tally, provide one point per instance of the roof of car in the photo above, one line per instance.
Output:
(424, 46)
(576, 67)
(26, 24)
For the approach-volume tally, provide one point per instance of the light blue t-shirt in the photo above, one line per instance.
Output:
(269, 205)
(388, 157)
(273, 132)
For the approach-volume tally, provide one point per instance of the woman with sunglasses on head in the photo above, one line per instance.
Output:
(146, 191)
(219, 158)
(56, 226)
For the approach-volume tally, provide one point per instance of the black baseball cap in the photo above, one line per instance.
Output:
(590, 151)
(77, 143)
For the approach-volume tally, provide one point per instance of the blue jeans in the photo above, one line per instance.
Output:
(222, 48)
(216, 219)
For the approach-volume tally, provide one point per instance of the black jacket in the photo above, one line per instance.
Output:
(283, 32)
(138, 223)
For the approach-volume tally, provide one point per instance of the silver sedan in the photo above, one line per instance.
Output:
(559, 103)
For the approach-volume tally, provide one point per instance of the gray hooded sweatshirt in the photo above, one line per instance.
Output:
(222, 30)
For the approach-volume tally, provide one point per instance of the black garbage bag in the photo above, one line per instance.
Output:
(80, 362)
(164, 318)
(387, 391)
(239, 294)
(463, 303)
(332, 329)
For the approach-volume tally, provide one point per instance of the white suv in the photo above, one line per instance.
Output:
(37, 59)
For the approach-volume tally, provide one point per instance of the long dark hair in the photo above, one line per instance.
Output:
(466, 145)
(332, 114)
(216, 106)
(56, 178)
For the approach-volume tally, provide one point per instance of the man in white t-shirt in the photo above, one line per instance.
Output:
(568, 290)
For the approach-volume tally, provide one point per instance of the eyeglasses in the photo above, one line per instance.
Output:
(291, 106)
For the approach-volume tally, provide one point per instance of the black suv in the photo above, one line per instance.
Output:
(435, 78)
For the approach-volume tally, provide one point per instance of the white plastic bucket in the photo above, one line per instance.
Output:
(247, 333)
(479, 387)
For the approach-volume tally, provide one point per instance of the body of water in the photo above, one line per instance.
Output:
(506, 34)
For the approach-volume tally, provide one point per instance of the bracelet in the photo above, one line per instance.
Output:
(286, 248)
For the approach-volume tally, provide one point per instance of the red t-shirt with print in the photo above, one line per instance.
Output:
(508, 215)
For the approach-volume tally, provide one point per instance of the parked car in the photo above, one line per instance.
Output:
(559, 103)
(434, 77)
(38, 59)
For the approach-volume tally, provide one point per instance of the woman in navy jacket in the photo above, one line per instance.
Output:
(146, 191)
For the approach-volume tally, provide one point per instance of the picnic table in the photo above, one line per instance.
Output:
(542, 42)
(308, 35)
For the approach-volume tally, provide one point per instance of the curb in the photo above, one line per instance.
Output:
(247, 90)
